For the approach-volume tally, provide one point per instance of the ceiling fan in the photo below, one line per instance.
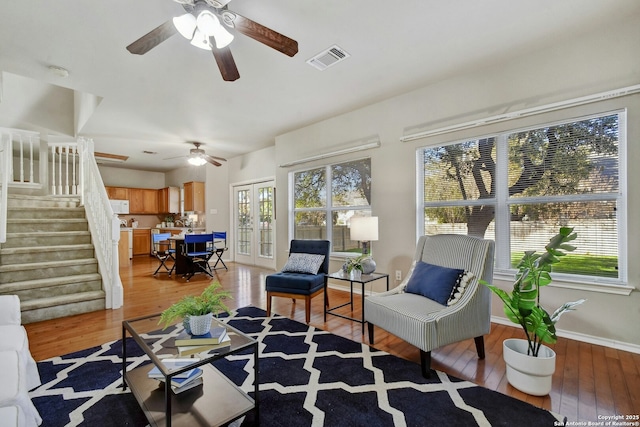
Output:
(198, 157)
(206, 25)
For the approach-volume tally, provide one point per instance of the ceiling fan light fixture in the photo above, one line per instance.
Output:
(197, 161)
(186, 25)
(222, 37)
(209, 24)
(200, 40)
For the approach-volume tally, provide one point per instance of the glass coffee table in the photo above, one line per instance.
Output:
(217, 401)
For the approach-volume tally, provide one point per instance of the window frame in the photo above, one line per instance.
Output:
(502, 202)
(328, 209)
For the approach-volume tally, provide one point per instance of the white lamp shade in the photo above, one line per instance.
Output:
(209, 24)
(186, 25)
(364, 228)
(222, 37)
(201, 41)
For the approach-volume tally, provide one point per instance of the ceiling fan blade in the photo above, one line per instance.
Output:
(218, 158)
(211, 160)
(260, 33)
(153, 38)
(174, 157)
(225, 62)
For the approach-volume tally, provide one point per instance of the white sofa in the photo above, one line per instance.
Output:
(19, 372)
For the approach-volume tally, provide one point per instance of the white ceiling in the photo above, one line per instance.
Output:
(174, 93)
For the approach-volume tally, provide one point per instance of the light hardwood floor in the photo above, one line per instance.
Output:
(590, 380)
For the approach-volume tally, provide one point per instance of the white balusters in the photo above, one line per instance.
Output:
(64, 163)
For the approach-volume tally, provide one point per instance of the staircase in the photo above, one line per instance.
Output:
(48, 259)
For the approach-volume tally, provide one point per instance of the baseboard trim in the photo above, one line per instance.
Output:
(577, 336)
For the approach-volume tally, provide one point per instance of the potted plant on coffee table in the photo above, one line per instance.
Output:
(530, 364)
(197, 311)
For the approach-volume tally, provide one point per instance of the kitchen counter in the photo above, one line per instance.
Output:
(135, 228)
(198, 229)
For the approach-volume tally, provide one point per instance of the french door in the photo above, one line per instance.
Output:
(254, 224)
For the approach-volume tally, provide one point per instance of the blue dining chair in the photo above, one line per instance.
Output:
(163, 252)
(198, 250)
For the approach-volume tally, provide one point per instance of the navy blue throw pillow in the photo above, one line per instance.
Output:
(433, 281)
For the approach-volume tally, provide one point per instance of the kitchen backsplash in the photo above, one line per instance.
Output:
(151, 221)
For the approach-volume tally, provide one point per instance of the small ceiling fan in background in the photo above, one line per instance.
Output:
(206, 25)
(198, 157)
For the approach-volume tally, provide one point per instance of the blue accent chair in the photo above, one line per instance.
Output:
(301, 285)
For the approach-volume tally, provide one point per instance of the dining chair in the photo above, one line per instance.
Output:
(198, 250)
(163, 251)
(220, 245)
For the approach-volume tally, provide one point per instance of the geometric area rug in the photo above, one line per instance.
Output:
(308, 377)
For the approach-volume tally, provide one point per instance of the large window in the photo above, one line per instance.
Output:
(519, 187)
(326, 198)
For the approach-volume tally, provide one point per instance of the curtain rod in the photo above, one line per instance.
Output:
(374, 143)
(629, 90)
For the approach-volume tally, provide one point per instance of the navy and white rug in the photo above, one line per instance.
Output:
(308, 377)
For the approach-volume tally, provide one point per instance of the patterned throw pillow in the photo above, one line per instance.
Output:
(303, 263)
(460, 287)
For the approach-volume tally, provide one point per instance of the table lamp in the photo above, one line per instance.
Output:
(365, 229)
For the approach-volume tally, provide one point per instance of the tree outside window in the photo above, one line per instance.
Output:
(317, 216)
(524, 184)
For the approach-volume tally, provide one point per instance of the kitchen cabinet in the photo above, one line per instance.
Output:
(143, 201)
(169, 200)
(124, 247)
(194, 196)
(141, 241)
(117, 193)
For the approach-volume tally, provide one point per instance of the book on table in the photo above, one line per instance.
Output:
(215, 336)
(188, 386)
(178, 383)
(173, 364)
(187, 350)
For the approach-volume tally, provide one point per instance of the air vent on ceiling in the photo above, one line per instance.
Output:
(327, 58)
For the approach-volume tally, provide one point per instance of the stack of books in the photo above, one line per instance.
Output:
(216, 340)
(181, 382)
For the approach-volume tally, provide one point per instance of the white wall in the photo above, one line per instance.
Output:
(565, 71)
(118, 177)
(177, 177)
(217, 199)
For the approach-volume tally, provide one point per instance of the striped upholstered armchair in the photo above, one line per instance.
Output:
(440, 301)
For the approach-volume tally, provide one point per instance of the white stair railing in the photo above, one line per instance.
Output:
(74, 172)
(65, 162)
(104, 224)
(25, 161)
(6, 157)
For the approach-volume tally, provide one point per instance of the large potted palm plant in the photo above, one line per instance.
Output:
(531, 364)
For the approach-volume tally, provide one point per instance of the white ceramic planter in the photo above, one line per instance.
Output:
(200, 325)
(531, 375)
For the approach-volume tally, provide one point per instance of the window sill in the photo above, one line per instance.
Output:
(344, 255)
(582, 285)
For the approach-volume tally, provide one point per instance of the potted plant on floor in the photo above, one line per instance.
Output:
(530, 364)
(197, 311)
